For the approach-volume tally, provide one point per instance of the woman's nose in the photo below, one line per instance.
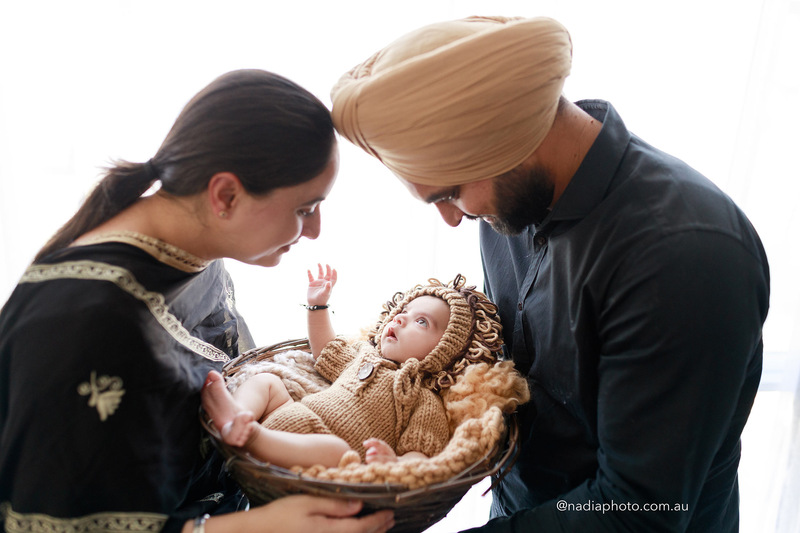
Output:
(312, 225)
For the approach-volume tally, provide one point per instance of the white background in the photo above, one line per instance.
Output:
(712, 82)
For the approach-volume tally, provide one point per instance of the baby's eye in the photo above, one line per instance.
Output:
(422, 322)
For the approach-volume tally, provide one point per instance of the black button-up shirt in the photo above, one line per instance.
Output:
(635, 310)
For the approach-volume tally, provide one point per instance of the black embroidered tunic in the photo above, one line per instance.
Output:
(104, 349)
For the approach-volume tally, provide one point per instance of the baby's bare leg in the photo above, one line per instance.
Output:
(287, 450)
(234, 415)
(262, 394)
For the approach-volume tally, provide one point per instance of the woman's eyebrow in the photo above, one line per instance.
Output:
(316, 200)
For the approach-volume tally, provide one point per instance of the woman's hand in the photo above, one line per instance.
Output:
(319, 288)
(299, 514)
(308, 513)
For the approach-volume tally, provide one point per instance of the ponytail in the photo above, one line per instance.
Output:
(123, 184)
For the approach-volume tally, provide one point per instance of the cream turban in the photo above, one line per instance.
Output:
(458, 101)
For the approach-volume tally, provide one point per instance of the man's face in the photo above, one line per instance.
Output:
(509, 202)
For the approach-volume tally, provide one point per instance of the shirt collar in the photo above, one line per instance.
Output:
(588, 186)
(162, 251)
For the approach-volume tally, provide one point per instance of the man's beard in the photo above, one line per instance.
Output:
(523, 197)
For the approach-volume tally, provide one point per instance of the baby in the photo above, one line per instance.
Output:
(384, 398)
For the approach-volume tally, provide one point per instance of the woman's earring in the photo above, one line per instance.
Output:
(223, 214)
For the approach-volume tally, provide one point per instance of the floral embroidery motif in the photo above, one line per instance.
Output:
(105, 394)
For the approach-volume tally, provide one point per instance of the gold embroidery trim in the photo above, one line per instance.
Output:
(107, 522)
(125, 280)
(164, 252)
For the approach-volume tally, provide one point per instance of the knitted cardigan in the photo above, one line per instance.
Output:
(369, 397)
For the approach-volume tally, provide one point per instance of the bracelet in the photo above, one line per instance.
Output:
(200, 524)
(315, 307)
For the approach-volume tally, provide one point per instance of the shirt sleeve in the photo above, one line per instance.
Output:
(334, 358)
(680, 343)
(427, 431)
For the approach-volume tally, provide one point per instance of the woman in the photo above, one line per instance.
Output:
(107, 339)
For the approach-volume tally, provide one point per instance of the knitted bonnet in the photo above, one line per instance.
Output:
(473, 333)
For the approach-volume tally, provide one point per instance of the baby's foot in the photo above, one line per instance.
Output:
(377, 451)
(240, 430)
(226, 415)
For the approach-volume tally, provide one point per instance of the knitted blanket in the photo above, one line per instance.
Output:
(475, 406)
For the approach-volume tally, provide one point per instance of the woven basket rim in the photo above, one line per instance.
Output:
(233, 366)
(374, 495)
(494, 461)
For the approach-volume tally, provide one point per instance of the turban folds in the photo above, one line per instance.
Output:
(459, 101)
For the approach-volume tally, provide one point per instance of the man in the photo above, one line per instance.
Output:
(632, 291)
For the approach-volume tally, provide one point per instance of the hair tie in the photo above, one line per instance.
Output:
(150, 168)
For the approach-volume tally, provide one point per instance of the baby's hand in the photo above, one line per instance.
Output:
(379, 452)
(319, 289)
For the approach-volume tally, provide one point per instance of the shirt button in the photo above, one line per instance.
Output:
(519, 306)
(365, 371)
(540, 240)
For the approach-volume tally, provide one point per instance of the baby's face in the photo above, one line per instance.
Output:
(416, 330)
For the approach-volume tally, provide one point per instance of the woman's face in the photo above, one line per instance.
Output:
(267, 226)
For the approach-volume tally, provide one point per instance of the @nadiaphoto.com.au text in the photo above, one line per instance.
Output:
(612, 506)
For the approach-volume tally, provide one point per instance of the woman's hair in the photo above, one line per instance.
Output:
(260, 126)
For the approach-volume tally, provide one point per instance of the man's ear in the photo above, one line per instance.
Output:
(224, 193)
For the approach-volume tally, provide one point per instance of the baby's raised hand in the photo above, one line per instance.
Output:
(319, 288)
(379, 452)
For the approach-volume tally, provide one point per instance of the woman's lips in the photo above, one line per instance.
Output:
(289, 246)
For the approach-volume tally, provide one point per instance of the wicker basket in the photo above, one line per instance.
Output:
(415, 509)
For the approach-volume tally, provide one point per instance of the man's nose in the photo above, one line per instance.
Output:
(450, 213)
